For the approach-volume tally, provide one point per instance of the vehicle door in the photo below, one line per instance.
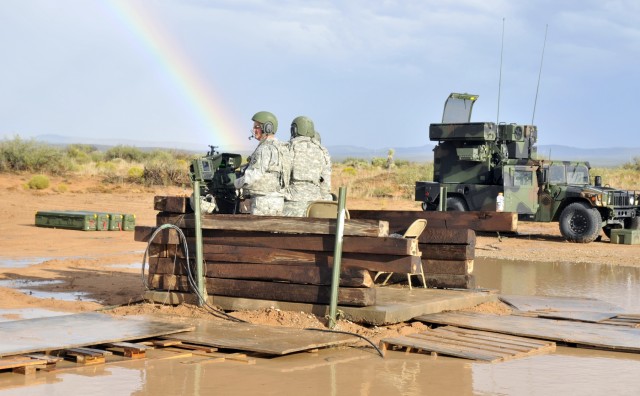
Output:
(520, 189)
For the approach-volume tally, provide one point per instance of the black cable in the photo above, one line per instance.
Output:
(350, 333)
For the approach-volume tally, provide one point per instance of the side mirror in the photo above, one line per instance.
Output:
(598, 181)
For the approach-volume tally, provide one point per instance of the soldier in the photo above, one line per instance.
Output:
(264, 179)
(310, 168)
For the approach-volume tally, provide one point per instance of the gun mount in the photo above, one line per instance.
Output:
(217, 173)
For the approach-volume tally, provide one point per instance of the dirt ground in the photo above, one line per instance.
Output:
(107, 266)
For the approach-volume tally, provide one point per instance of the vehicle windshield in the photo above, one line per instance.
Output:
(577, 174)
(568, 174)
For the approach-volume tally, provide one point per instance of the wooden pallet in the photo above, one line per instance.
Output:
(23, 364)
(469, 344)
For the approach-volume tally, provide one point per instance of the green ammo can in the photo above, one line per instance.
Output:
(85, 221)
(120, 221)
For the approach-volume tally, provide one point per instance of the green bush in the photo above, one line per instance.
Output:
(127, 153)
(19, 155)
(379, 162)
(38, 182)
(135, 174)
(163, 169)
(62, 188)
(349, 171)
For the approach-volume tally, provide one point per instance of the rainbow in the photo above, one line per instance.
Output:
(208, 110)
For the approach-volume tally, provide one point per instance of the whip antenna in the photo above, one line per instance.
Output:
(539, 72)
(500, 78)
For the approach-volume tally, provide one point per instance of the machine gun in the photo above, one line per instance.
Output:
(216, 172)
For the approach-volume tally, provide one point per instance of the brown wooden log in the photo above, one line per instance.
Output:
(319, 243)
(305, 274)
(172, 204)
(447, 267)
(450, 236)
(451, 281)
(477, 221)
(288, 225)
(169, 282)
(279, 291)
(312, 275)
(448, 252)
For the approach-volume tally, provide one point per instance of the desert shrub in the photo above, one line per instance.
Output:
(349, 171)
(80, 153)
(379, 162)
(357, 163)
(127, 153)
(18, 155)
(62, 188)
(38, 182)
(135, 174)
(634, 164)
(163, 169)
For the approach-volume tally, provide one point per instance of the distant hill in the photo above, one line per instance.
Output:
(603, 157)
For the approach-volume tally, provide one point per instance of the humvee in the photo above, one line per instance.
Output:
(474, 161)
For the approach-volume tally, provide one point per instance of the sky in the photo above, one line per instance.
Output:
(369, 73)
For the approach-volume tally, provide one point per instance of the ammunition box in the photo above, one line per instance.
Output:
(625, 237)
(120, 221)
(84, 221)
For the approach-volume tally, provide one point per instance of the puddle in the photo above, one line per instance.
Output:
(30, 288)
(614, 284)
(23, 262)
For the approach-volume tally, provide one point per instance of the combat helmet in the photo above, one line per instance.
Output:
(267, 120)
(302, 126)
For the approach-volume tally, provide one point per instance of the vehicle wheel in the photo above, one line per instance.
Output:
(632, 223)
(580, 223)
(456, 204)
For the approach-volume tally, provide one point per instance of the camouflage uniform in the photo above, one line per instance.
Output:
(263, 180)
(325, 176)
(310, 175)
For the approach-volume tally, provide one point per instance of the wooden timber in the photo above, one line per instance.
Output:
(306, 274)
(447, 267)
(447, 252)
(319, 243)
(447, 281)
(287, 225)
(290, 292)
(477, 221)
(171, 204)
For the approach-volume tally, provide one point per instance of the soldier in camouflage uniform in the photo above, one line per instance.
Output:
(325, 177)
(264, 180)
(310, 168)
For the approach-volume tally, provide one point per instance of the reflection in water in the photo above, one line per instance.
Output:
(33, 288)
(615, 284)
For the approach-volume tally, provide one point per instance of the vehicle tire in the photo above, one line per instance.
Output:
(456, 204)
(580, 223)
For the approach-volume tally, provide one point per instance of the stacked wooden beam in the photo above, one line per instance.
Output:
(448, 248)
(278, 258)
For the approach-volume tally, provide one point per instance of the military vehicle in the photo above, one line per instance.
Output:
(475, 161)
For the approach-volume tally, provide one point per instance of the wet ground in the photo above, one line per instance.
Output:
(349, 371)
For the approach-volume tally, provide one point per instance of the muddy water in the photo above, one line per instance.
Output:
(611, 283)
(351, 371)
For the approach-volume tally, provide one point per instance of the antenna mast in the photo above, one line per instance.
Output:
(500, 78)
(540, 72)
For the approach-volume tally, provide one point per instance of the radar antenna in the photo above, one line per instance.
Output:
(539, 73)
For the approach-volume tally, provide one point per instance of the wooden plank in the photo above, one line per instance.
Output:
(172, 204)
(445, 281)
(448, 252)
(472, 344)
(77, 330)
(581, 333)
(272, 340)
(539, 303)
(318, 243)
(287, 225)
(582, 316)
(477, 221)
(19, 361)
(312, 294)
(447, 267)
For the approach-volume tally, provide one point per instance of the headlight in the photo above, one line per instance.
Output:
(632, 201)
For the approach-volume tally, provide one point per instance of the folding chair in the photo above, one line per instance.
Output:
(325, 210)
(413, 232)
